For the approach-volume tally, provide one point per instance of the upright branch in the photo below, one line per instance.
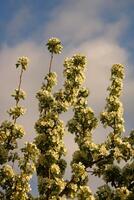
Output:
(119, 147)
(50, 66)
(19, 94)
(50, 130)
(16, 185)
(82, 124)
(10, 131)
(19, 86)
(54, 47)
(113, 114)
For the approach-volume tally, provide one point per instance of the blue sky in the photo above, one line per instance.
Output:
(28, 20)
(32, 15)
(35, 15)
(102, 30)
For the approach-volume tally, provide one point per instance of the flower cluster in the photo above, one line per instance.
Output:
(16, 112)
(85, 193)
(113, 114)
(82, 124)
(23, 62)
(105, 192)
(76, 187)
(10, 132)
(74, 72)
(79, 171)
(54, 45)
(19, 94)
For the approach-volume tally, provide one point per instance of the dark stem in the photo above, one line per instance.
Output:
(114, 184)
(50, 66)
(98, 160)
(65, 189)
(20, 81)
(90, 171)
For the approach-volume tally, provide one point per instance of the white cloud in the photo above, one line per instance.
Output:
(102, 54)
(77, 21)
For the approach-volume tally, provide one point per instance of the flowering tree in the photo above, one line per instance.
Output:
(46, 153)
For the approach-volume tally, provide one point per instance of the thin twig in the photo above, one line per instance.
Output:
(20, 81)
(90, 171)
(50, 66)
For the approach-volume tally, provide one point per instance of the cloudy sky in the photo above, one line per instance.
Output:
(100, 29)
